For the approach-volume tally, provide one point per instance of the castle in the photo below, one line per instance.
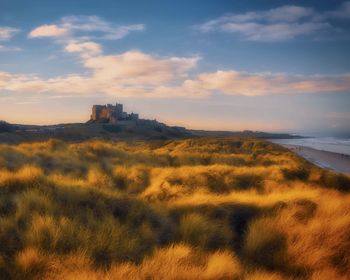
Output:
(111, 114)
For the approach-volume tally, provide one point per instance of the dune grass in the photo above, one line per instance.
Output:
(175, 209)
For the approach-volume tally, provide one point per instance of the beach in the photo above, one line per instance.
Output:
(329, 160)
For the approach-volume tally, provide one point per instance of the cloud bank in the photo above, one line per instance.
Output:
(278, 24)
(137, 74)
(132, 73)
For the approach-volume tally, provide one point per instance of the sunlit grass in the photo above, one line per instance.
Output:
(182, 209)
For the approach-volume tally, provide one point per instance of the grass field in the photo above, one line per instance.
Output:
(179, 209)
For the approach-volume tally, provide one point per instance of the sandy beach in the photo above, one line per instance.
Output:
(329, 160)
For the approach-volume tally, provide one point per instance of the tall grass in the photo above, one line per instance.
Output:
(183, 209)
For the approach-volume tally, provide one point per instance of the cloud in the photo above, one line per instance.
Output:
(85, 49)
(77, 34)
(289, 14)
(101, 28)
(135, 67)
(281, 14)
(20, 82)
(48, 30)
(131, 73)
(274, 32)
(83, 28)
(136, 74)
(278, 24)
(257, 84)
(122, 31)
(7, 33)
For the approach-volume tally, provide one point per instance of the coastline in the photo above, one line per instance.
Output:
(329, 160)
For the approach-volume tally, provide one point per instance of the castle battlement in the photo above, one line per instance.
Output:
(111, 114)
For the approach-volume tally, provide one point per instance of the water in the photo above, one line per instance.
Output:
(330, 144)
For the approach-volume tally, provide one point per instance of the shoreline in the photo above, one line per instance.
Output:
(328, 160)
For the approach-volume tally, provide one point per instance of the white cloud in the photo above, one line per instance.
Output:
(136, 74)
(255, 84)
(282, 14)
(83, 28)
(289, 14)
(7, 33)
(85, 49)
(279, 24)
(48, 30)
(122, 31)
(128, 74)
(135, 67)
(101, 28)
(274, 31)
(78, 33)
(84, 23)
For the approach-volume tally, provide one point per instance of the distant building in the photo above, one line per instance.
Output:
(111, 114)
(134, 116)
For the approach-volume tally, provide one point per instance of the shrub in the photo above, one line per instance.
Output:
(33, 201)
(246, 181)
(32, 264)
(297, 173)
(99, 179)
(264, 275)
(265, 245)
(336, 181)
(222, 264)
(132, 179)
(11, 238)
(198, 230)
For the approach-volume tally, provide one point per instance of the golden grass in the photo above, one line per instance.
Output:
(27, 175)
(186, 209)
(174, 262)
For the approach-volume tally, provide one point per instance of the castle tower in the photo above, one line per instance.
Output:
(96, 112)
(119, 110)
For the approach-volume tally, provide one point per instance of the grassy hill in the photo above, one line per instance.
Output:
(127, 130)
(228, 208)
(5, 127)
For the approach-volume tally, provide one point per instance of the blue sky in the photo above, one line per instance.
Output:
(260, 65)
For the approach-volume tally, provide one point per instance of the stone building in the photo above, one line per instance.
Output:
(111, 114)
(119, 109)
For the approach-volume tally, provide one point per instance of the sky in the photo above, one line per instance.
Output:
(276, 66)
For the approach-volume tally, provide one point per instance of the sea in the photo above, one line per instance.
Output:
(330, 144)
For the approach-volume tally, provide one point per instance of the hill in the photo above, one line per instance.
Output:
(6, 127)
(140, 129)
(214, 208)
